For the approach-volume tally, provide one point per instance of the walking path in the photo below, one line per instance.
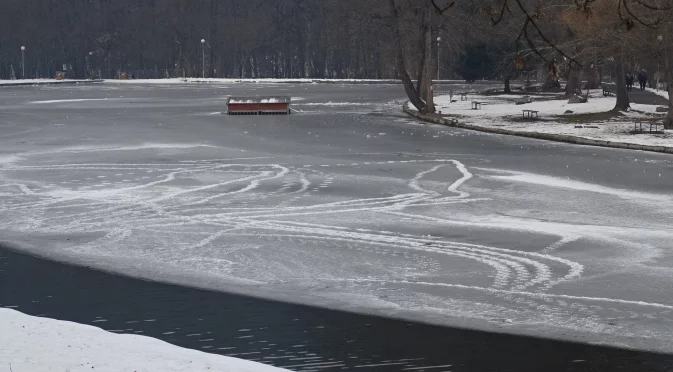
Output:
(647, 97)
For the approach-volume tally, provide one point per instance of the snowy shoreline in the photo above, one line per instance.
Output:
(36, 344)
(499, 114)
(216, 81)
(33, 82)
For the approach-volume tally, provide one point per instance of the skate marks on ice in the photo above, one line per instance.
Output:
(222, 216)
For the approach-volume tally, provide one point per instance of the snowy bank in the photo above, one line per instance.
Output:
(38, 344)
(504, 105)
(265, 81)
(43, 82)
(558, 117)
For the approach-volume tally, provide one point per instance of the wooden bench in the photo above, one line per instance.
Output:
(476, 105)
(463, 96)
(638, 126)
(608, 91)
(530, 114)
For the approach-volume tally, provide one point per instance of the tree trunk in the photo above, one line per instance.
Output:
(593, 78)
(508, 89)
(307, 51)
(668, 121)
(623, 102)
(574, 82)
(402, 72)
(422, 83)
(426, 77)
(213, 36)
(668, 70)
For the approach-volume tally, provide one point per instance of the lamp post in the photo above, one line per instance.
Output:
(203, 56)
(660, 39)
(23, 62)
(177, 64)
(90, 66)
(439, 40)
(611, 60)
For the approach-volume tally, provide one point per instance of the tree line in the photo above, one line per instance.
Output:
(242, 39)
(581, 42)
(577, 41)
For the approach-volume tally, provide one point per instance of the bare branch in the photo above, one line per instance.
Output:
(652, 7)
(504, 7)
(629, 21)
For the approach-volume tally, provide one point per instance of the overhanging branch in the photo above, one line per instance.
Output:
(442, 10)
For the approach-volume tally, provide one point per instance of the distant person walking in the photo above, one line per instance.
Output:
(629, 81)
(642, 79)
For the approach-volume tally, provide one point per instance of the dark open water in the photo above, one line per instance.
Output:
(299, 338)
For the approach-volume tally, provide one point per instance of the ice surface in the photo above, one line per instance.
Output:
(425, 222)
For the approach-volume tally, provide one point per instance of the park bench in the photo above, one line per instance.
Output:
(530, 114)
(476, 105)
(463, 96)
(608, 91)
(638, 126)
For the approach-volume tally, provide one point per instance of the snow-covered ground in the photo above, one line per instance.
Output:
(39, 344)
(501, 112)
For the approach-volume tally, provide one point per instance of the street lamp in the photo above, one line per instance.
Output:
(203, 56)
(177, 64)
(23, 62)
(439, 40)
(90, 66)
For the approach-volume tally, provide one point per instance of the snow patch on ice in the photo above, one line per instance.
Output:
(336, 104)
(72, 100)
(9, 159)
(543, 180)
(144, 146)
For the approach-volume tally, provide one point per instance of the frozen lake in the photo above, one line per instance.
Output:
(349, 205)
(297, 337)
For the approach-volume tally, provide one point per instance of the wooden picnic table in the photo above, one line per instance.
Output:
(476, 105)
(529, 114)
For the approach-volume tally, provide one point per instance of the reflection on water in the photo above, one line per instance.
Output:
(299, 338)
